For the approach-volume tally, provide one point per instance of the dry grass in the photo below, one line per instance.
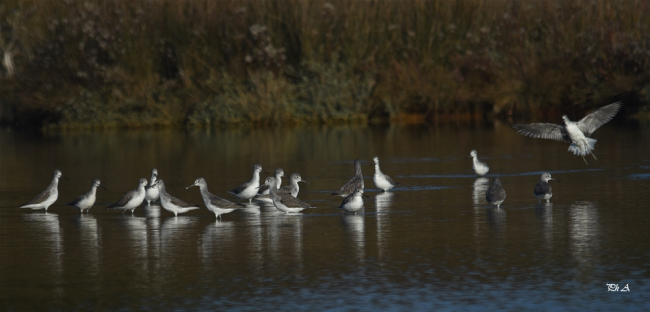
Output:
(168, 63)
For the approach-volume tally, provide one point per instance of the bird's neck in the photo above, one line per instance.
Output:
(203, 188)
(256, 176)
(358, 170)
(278, 181)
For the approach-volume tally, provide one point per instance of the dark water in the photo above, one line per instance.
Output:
(432, 243)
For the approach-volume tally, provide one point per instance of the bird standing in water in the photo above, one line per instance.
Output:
(495, 194)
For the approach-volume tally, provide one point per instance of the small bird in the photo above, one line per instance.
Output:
(353, 202)
(45, 199)
(572, 132)
(543, 189)
(495, 194)
(480, 168)
(171, 203)
(248, 189)
(283, 201)
(355, 183)
(292, 189)
(381, 180)
(132, 199)
(152, 193)
(86, 201)
(264, 190)
(214, 203)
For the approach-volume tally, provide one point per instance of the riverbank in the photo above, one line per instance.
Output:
(134, 64)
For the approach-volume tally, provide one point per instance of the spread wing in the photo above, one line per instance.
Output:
(543, 131)
(599, 117)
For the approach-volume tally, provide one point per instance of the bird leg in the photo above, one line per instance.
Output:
(592, 154)
(583, 158)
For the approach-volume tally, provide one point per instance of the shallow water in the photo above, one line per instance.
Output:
(431, 243)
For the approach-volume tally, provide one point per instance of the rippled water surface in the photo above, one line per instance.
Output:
(432, 243)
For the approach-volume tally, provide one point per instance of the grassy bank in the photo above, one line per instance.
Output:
(103, 64)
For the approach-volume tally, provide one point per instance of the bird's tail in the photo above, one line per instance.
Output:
(590, 145)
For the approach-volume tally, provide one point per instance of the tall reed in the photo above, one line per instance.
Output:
(164, 63)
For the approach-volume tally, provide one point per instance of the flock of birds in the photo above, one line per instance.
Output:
(286, 199)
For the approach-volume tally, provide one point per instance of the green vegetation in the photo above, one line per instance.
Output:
(103, 64)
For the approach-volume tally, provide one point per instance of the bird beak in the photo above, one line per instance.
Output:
(364, 194)
(191, 186)
(303, 181)
(265, 172)
(468, 157)
(65, 178)
(103, 187)
(556, 180)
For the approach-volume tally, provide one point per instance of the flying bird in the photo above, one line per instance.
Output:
(575, 133)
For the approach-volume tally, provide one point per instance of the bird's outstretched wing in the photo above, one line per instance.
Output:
(599, 117)
(543, 131)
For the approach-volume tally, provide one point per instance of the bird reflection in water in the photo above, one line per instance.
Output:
(355, 231)
(496, 218)
(583, 232)
(480, 186)
(383, 203)
(89, 247)
(544, 215)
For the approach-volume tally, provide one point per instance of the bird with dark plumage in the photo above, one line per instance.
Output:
(495, 194)
(355, 183)
(543, 189)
